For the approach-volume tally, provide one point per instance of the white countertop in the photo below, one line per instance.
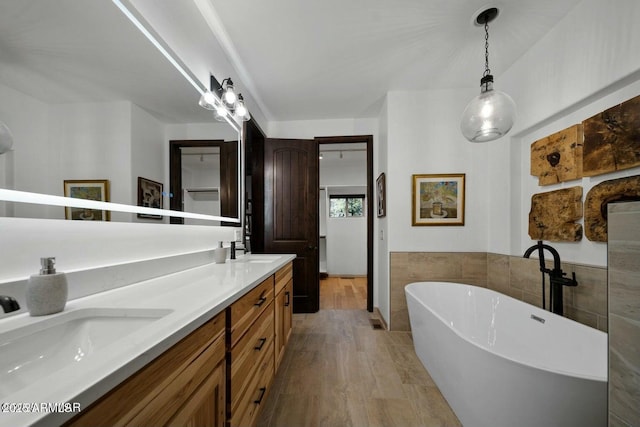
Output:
(194, 296)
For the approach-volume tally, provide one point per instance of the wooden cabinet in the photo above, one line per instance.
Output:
(250, 362)
(218, 375)
(183, 386)
(283, 309)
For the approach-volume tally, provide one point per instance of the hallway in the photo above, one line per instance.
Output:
(339, 371)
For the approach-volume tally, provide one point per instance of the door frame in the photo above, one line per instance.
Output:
(368, 140)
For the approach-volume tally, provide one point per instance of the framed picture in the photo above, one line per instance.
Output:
(438, 199)
(88, 189)
(381, 193)
(149, 196)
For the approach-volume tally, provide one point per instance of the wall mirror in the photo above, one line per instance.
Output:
(89, 98)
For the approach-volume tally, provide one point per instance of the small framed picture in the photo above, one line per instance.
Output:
(381, 195)
(438, 199)
(88, 189)
(149, 196)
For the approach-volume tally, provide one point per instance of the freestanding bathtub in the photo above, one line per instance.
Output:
(500, 362)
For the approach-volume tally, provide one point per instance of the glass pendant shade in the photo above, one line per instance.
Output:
(6, 138)
(208, 101)
(488, 116)
(229, 96)
(241, 109)
(220, 113)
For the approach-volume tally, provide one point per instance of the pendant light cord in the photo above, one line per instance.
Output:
(487, 71)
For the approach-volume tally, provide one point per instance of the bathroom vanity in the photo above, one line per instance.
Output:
(195, 347)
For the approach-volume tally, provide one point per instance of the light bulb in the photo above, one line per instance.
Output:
(208, 101)
(220, 113)
(241, 109)
(488, 116)
(229, 96)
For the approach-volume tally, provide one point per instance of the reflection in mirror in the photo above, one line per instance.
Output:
(87, 97)
(204, 178)
(200, 180)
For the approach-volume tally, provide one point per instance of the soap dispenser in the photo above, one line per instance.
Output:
(47, 291)
(220, 254)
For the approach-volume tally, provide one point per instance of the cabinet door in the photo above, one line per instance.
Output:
(206, 407)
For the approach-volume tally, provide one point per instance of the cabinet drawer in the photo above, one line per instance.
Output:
(247, 309)
(249, 405)
(283, 276)
(247, 355)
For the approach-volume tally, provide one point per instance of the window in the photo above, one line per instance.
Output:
(346, 205)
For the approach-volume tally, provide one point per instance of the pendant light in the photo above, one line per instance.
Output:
(491, 114)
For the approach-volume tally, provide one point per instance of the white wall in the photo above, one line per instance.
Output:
(424, 138)
(91, 141)
(148, 156)
(309, 129)
(381, 225)
(585, 65)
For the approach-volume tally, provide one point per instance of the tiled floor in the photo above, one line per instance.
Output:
(339, 371)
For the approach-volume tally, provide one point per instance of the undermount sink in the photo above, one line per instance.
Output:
(30, 352)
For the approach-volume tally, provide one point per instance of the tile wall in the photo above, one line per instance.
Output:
(624, 314)
(514, 276)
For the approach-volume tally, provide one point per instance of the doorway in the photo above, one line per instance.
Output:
(346, 222)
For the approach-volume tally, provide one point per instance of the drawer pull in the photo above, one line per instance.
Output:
(263, 390)
(259, 346)
(287, 300)
(261, 301)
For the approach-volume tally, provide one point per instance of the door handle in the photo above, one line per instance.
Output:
(287, 300)
(312, 248)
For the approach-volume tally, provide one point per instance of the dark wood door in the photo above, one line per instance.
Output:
(291, 191)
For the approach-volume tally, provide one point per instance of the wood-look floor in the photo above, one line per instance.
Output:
(339, 371)
(343, 293)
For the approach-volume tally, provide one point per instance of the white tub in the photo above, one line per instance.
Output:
(499, 367)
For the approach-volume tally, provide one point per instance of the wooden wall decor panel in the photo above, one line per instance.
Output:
(595, 209)
(558, 157)
(612, 139)
(553, 215)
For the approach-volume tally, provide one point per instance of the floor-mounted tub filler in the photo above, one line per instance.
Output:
(500, 362)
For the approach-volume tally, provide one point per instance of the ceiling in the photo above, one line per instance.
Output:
(312, 59)
(324, 59)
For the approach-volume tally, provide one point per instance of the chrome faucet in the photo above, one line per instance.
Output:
(556, 277)
(9, 304)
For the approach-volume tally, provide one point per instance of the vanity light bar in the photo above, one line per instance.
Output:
(154, 40)
(46, 199)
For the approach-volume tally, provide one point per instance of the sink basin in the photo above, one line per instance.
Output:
(30, 352)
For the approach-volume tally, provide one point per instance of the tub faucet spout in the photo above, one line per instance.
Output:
(556, 276)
